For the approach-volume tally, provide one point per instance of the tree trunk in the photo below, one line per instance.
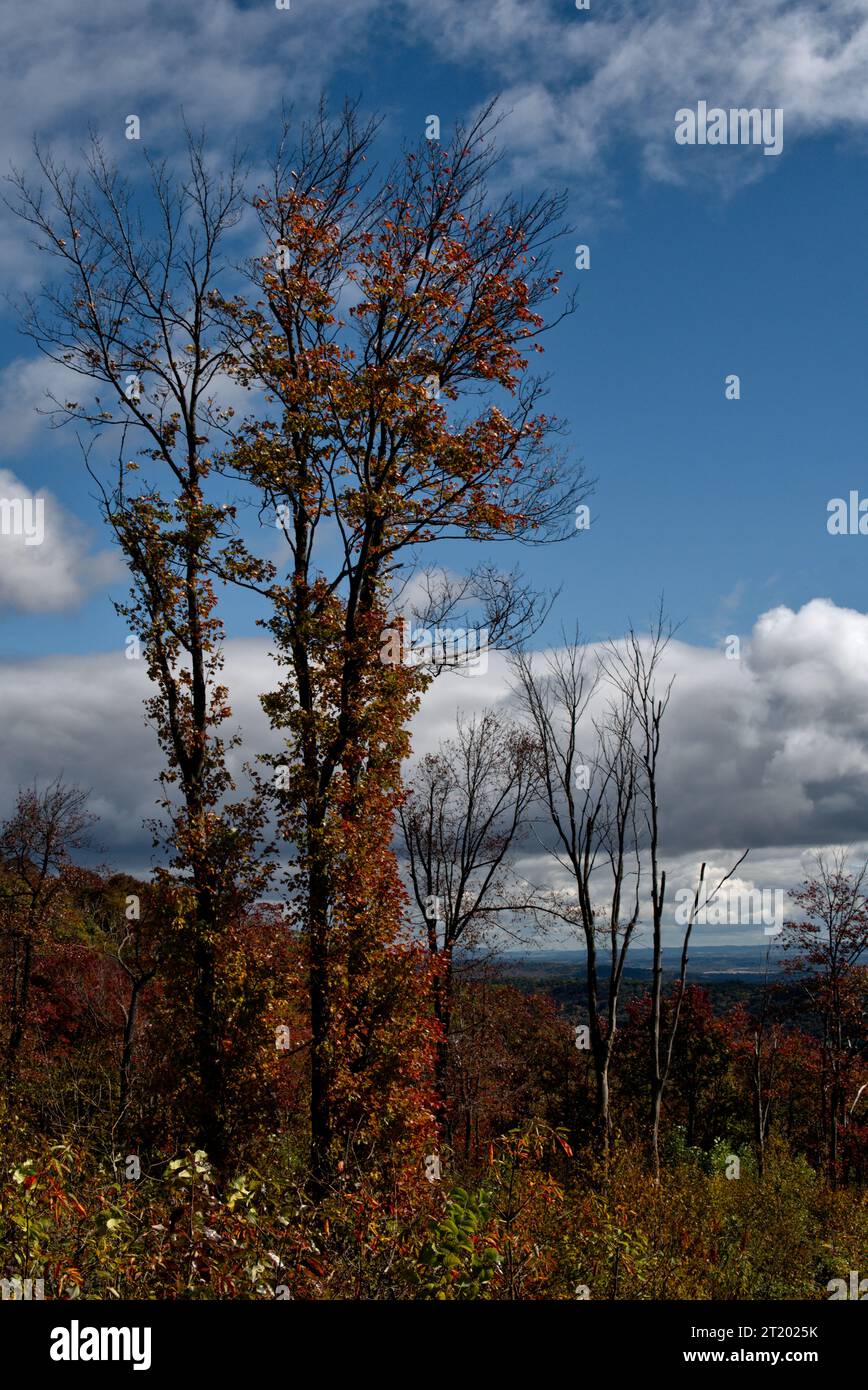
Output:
(656, 1078)
(20, 1002)
(656, 1108)
(443, 1014)
(603, 1117)
(127, 1052)
(320, 1010)
(212, 1127)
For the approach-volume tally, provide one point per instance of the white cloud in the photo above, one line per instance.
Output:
(578, 82)
(25, 386)
(766, 751)
(223, 64)
(769, 752)
(59, 571)
(581, 83)
(218, 66)
(83, 717)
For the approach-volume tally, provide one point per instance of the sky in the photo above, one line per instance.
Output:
(704, 262)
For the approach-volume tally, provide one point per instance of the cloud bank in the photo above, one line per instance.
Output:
(769, 751)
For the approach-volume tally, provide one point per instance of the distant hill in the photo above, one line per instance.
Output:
(704, 962)
(731, 975)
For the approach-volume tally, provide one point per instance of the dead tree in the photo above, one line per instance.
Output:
(632, 667)
(590, 798)
(462, 818)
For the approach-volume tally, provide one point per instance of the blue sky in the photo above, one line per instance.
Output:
(703, 263)
(745, 264)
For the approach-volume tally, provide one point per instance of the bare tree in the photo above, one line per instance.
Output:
(590, 797)
(36, 847)
(663, 1038)
(462, 817)
(632, 666)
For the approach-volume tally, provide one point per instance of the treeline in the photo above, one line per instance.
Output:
(494, 1183)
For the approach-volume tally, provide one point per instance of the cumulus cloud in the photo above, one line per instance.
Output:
(580, 84)
(218, 66)
(46, 561)
(82, 717)
(765, 750)
(768, 752)
(26, 385)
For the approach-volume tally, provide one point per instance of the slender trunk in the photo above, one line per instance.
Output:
(20, 1003)
(656, 1109)
(443, 1013)
(603, 1119)
(758, 1125)
(599, 1045)
(127, 1052)
(657, 1080)
(206, 1041)
(658, 895)
(320, 1010)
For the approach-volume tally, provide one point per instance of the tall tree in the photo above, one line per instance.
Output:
(132, 316)
(632, 666)
(378, 309)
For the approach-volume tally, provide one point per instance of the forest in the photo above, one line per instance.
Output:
(290, 1063)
